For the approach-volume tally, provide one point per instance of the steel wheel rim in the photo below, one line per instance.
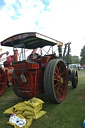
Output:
(76, 78)
(60, 81)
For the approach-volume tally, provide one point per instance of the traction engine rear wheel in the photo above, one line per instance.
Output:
(3, 81)
(55, 80)
(74, 78)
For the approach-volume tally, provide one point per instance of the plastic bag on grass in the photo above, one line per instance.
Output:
(19, 107)
(39, 114)
(37, 110)
(23, 123)
(18, 120)
(29, 117)
(18, 112)
(32, 109)
(9, 111)
(34, 102)
(29, 122)
(26, 113)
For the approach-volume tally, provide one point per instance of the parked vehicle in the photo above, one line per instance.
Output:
(41, 73)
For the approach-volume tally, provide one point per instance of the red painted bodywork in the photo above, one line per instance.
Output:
(33, 72)
(8, 69)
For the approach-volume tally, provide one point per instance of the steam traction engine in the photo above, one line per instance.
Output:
(40, 73)
(7, 70)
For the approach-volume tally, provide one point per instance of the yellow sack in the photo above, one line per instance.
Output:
(29, 122)
(20, 116)
(37, 110)
(29, 109)
(27, 113)
(33, 110)
(19, 107)
(10, 123)
(18, 112)
(9, 111)
(39, 114)
(29, 117)
(34, 102)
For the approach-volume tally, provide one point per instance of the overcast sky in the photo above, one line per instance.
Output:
(63, 20)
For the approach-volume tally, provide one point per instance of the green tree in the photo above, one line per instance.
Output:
(71, 60)
(76, 59)
(82, 54)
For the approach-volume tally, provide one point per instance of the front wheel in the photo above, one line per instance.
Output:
(74, 78)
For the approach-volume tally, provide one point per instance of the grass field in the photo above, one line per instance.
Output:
(69, 114)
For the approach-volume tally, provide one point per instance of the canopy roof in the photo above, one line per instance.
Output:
(30, 40)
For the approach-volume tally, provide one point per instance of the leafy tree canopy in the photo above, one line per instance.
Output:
(71, 60)
(76, 59)
(82, 54)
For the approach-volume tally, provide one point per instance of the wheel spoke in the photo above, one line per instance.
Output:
(57, 70)
(59, 67)
(55, 73)
(62, 73)
(57, 90)
(61, 90)
(55, 79)
(55, 85)
(58, 94)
